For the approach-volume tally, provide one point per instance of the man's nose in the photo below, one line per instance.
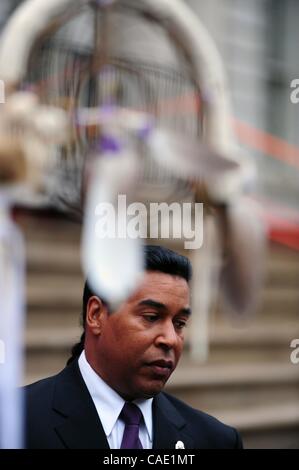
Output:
(167, 337)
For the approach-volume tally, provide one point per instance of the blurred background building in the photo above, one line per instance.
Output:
(249, 380)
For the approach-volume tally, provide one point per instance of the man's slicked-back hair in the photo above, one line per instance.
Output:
(164, 260)
(156, 258)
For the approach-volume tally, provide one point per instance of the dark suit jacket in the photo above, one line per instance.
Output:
(60, 414)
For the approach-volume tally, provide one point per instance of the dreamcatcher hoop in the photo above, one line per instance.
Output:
(34, 17)
(188, 35)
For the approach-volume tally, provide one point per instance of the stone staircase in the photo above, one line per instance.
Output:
(248, 381)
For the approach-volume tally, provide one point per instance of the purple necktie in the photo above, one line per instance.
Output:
(132, 416)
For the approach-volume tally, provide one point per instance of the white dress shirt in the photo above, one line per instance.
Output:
(109, 405)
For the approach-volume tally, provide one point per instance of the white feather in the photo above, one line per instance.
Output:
(113, 265)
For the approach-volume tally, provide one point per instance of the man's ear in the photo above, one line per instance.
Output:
(96, 313)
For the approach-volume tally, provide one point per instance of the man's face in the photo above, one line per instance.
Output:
(140, 344)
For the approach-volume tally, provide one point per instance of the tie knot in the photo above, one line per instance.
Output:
(131, 414)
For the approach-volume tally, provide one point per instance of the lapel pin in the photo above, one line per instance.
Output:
(180, 445)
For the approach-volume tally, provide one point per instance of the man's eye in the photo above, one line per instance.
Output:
(150, 317)
(180, 324)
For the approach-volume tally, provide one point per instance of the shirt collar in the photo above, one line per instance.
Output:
(108, 402)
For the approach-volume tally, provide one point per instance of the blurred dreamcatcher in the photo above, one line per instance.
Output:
(109, 97)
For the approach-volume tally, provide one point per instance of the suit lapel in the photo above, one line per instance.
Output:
(169, 425)
(80, 426)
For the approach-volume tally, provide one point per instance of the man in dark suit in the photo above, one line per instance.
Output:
(110, 394)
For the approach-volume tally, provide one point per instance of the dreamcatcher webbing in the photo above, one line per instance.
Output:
(61, 72)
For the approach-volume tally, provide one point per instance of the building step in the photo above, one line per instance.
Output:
(226, 391)
(261, 342)
(256, 418)
(282, 273)
(277, 302)
(55, 318)
(274, 426)
(63, 256)
(55, 290)
(53, 258)
(49, 347)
